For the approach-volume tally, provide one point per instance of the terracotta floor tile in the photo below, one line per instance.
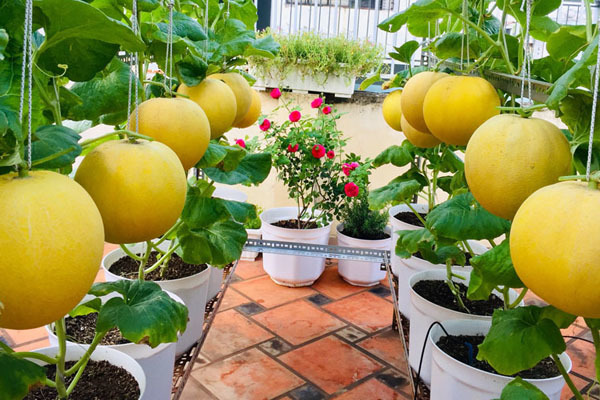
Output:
(250, 269)
(250, 375)
(330, 363)
(364, 310)
(232, 299)
(108, 247)
(231, 332)
(388, 347)
(269, 294)
(372, 390)
(580, 384)
(298, 322)
(33, 345)
(194, 391)
(19, 337)
(332, 285)
(582, 355)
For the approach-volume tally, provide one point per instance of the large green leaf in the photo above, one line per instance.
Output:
(228, 156)
(3, 42)
(452, 44)
(462, 218)
(520, 338)
(262, 47)
(106, 93)
(423, 242)
(183, 27)
(17, 376)
(396, 155)
(218, 243)
(422, 11)
(405, 52)
(241, 212)
(54, 139)
(192, 69)
(144, 313)
(143, 5)
(394, 192)
(518, 389)
(242, 10)
(491, 269)
(81, 37)
(233, 37)
(253, 169)
(566, 42)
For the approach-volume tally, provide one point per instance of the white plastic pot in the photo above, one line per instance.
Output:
(214, 282)
(454, 380)
(398, 225)
(287, 270)
(424, 313)
(412, 265)
(317, 82)
(228, 193)
(251, 255)
(192, 290)
(115, 357)
(361, 273)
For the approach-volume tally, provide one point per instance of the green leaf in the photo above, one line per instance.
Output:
(191, 70)
(106, 93)
(143, 5)
(462, 218)
(228, 156)
(452, 44)
(18, 376)
(518, 389)
(86, 308)
(219, 243)
(183, 27)
(549, 69)
(411, 241)
(243, 10)
(81, 37)
(262, 47)
(396, 155)
(493, 268)
(394, 192)
(233, 37)
(405, 52)
(3, 43)
(53, 139)
(241, 212)
(144, 313)
(422, 11)
(253, 169)
(566, 42)
(519, 339)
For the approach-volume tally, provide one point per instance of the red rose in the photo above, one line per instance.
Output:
(316, 103)
(295, 116)
(326, 110)
(266, 124)
(318, 151)
(293, 149)
(241, 143)
(351, 189)
(330, 154)
(347, 168)
(276, 93)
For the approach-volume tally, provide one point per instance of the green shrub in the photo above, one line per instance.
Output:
(360, 222)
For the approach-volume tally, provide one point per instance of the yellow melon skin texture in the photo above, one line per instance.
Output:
(413, 96)
(51, 244)
(509, 157)
(253, 112)
(419, 139)
(218, 102)
(456, 106)
(179, 123)
(242, 91)
(554, 246)
(392, 110)
(138, 187)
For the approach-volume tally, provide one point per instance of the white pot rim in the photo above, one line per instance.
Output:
(421, 208)
(563, 356)
(264, 217)
(366, 242)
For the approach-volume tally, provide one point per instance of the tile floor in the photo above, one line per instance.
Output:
(331, 340)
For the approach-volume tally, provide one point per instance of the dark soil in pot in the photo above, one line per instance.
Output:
(439, 293)
(81, 329)
(100, 381)
(127, 267)
(293, 224)
(464, 348)
(375, 236)
(409, 217)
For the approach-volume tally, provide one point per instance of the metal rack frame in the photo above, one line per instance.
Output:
(184, 364)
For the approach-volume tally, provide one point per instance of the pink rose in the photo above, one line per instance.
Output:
(295, 116)
(351, 189)
(293, 149)
(318, 151)
(241, 143)
(276, 93)
(347, 168)
(266, 124)
(316, 103)
(330, 154)
(326, 110)
(354, 165)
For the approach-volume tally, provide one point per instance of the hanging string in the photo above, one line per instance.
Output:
(133, 72)
(462, 38)
(206, 31)
(593, 121)
(169, 56)
(526, 68)
(27, 68)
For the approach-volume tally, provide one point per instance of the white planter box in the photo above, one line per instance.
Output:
(339, 86)
(454, 380)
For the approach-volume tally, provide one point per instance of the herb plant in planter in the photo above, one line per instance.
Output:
(310, 62)
(306, 153)
(361, 227)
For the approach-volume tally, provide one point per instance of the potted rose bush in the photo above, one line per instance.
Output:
(306, 153)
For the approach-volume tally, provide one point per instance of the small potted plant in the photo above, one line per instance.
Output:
(306, 153)
(361, 227)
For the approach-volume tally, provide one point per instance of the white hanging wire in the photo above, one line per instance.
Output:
(206, 31)
(593, 121)
(27, 68)
(526, 68)
(169, 56)
(133, 70)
